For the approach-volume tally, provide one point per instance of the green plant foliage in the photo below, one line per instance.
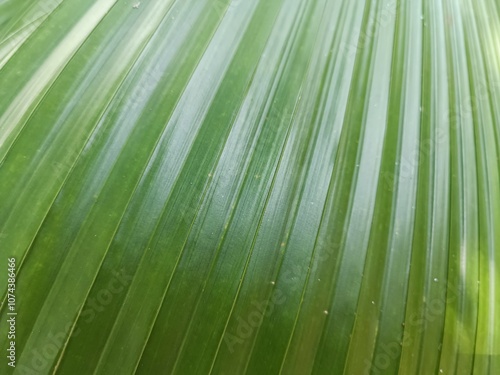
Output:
(250, 187)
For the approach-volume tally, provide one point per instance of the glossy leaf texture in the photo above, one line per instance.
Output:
(250, 187)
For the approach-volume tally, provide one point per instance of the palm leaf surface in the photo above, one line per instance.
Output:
(261, 187)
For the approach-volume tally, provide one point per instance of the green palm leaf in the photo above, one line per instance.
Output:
(250, 187)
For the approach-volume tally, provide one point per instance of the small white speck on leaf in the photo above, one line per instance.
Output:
(272, 283)
(136, 5)
(325, 312)
(373, 302)
(435, 279)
